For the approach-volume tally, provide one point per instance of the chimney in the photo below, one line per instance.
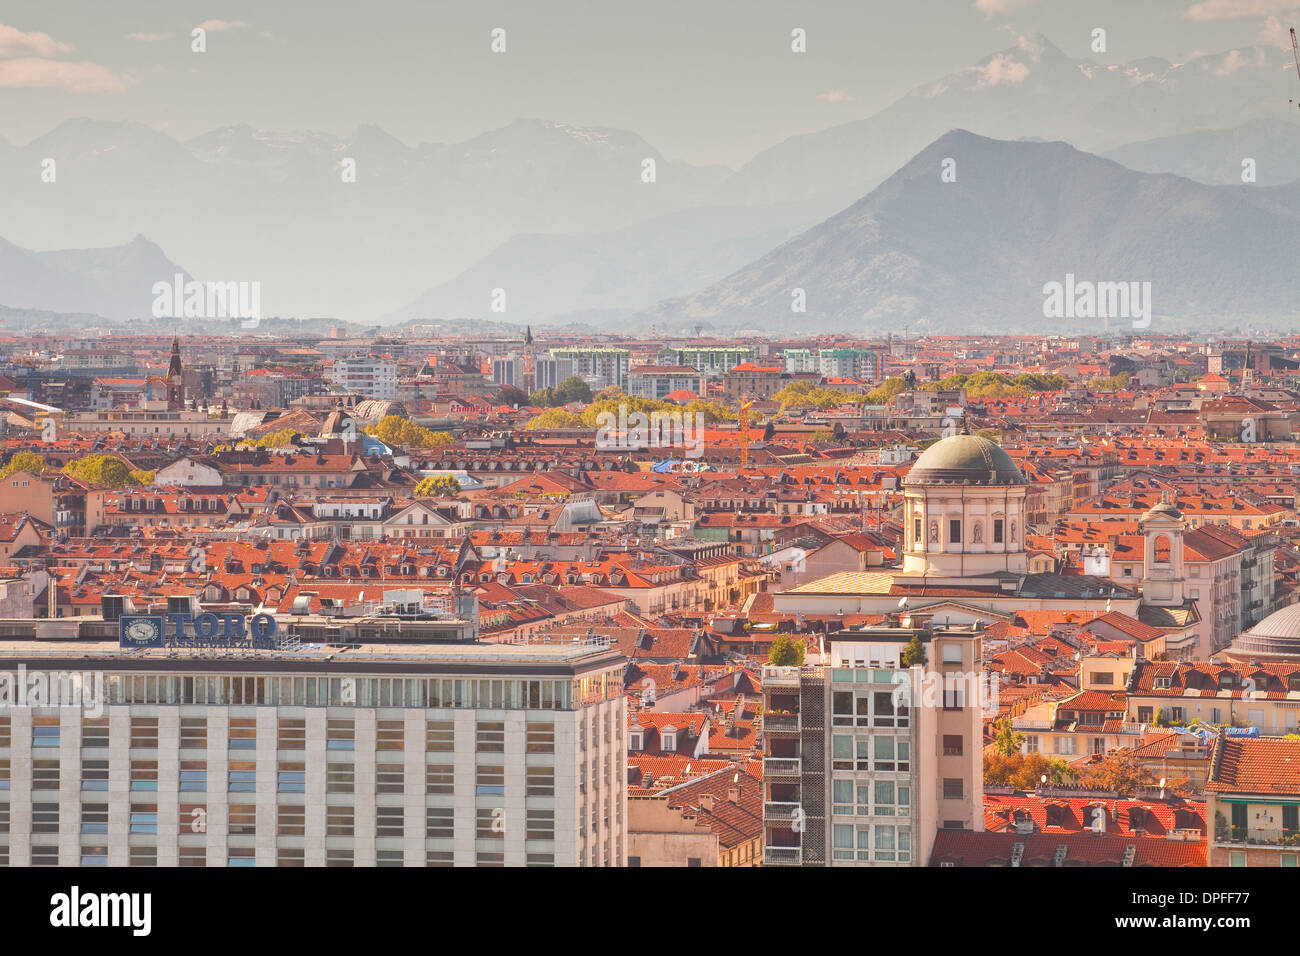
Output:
(706, 802)
(733, 794)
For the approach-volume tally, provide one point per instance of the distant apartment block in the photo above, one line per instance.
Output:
(713, 361)
(659, 381)
(550, 372)
(508, 371)
(752, 381)
(373, 378)
(600, 368)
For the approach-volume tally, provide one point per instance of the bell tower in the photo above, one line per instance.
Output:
(175, 385)
(1163, 574)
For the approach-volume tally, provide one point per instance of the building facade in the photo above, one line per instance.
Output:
(867, 759)
(373, 378)
(433, 755)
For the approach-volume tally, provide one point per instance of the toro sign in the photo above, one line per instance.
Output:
(204, 630)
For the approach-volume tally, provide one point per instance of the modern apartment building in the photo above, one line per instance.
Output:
(659, 381)
(508, 371)
(373, 378)
(549, 372)
(713, 360)
(388, 754)
(863, 364)
(599, 367)
(866, 759)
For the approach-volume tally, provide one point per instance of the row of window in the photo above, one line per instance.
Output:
(490, 823)
(881, 798)
(877, 752)
(291, 777)
(878, 709)
(440, 735)
(48, 855)
(882, 843)
(360, 691)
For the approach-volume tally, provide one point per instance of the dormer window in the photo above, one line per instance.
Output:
(1163, 682)
(668, 739)
(634, 741)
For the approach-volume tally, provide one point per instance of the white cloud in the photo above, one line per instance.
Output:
(33, 72)
(1237, 9)
(26, 62)
(14, 42)
(223, 26)
(1274, 34)
(1001, 70)
(148, 37)
(992, 8)
(834, 96)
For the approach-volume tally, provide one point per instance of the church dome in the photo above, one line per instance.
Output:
(1162, 508)
(964, 460)
(1277, 637)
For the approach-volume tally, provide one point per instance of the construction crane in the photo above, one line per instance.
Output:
(1295, 51)
(745, 406)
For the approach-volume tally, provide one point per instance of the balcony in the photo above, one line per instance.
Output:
(774, 767)
(1259, 836)
(779, 811)
(780, 723)
(782, 855)
(774, 676)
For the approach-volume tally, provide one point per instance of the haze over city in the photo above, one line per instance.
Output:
(764, 436)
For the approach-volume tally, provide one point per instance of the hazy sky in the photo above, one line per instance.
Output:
(701, 80)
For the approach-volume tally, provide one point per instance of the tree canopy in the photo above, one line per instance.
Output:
(23, 461)
(786, 652)
(572, 389)
(403, 433)
(437, 486)
(107, 471)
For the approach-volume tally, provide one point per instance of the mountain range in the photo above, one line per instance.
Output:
(113, 283)
(561, 216)
(978, 251)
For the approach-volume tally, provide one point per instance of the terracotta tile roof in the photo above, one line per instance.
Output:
(1262, 765)
(972, 848)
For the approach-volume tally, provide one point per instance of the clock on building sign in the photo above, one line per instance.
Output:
(140, 630)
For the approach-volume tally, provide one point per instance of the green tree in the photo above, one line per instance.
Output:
(401, 432)
(887, 391)
(1111, 383)
(572, 389)
(141, 477)
(23, 461)
(786, 652)
(509, 395)
(280, 439)
(1041, 381)
(1005, 740)
(712, 411)
(1122, 773)
(1025, 771)
(437, 486)
(107, 471)
(556, 418)
(914, 652)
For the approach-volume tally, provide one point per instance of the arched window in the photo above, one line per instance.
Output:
(1163, 550)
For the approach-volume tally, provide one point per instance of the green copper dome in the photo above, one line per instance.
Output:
(964, 460)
